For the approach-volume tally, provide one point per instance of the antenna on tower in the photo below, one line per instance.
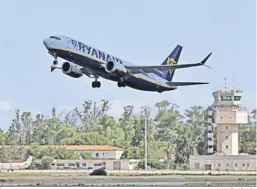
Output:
(225, 83)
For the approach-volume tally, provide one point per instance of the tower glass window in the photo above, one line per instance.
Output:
(237, 98)
(226, 98)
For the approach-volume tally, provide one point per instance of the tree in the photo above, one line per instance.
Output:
(195, 119)
(172, 134)
(2, 137)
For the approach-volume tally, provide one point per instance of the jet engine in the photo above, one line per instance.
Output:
(114, 67)
(71, 70)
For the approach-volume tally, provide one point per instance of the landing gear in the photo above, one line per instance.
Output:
(96, 84)
(121, 84)
(54, 66)
(55, 62)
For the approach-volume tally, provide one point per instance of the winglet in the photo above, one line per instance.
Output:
(205, 59)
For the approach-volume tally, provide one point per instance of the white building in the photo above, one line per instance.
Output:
(223, 162)
(95, 164)
(97, 151)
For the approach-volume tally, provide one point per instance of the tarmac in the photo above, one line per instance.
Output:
(104, 181)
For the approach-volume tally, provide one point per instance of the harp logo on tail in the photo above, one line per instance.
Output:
(171, 61)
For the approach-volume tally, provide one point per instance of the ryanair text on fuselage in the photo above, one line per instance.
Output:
(93, 52)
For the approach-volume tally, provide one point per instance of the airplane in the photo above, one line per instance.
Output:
(16, 165)
(94, 63)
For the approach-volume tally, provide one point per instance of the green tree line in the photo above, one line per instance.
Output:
(172, 134)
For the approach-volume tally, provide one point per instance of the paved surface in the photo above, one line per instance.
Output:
(174, 180)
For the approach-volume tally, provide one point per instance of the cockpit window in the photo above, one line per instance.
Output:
(53, 37)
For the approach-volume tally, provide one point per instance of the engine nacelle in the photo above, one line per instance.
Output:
(115, 67)
(71, 70)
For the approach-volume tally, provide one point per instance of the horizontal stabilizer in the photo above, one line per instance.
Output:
(185, 83)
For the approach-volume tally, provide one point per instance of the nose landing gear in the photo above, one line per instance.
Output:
(55, 62)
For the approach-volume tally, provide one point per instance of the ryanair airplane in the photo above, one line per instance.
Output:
(94, 63)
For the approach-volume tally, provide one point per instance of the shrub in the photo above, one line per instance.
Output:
(155, 164)
(47, 161)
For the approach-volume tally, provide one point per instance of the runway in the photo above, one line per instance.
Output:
(173, 180)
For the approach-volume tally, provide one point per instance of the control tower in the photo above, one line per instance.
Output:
(223, 118)
(227, 116)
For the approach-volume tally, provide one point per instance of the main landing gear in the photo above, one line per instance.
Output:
(96, 84)
(121, 83)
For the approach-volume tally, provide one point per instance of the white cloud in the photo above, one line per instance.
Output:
(5, 105)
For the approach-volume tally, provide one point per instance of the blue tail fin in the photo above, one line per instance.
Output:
(172, 59)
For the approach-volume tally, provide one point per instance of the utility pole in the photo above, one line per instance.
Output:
(145, 138)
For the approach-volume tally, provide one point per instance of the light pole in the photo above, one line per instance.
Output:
(145, 139)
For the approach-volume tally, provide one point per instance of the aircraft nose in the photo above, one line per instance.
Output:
(46, 42)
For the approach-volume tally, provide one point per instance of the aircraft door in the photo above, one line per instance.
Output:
(72, 44)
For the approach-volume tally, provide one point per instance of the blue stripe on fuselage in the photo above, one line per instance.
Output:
(97, 67)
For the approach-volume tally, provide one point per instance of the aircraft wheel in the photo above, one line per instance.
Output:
(119, 84)
(98, 84)
(55, 62)
(93, 84)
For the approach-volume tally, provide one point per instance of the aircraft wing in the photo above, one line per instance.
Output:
(185, 83)
(147, 69)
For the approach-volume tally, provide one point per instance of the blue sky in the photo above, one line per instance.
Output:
(142, 32)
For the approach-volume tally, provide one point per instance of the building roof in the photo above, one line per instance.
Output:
(83, 147)
(91, 148)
